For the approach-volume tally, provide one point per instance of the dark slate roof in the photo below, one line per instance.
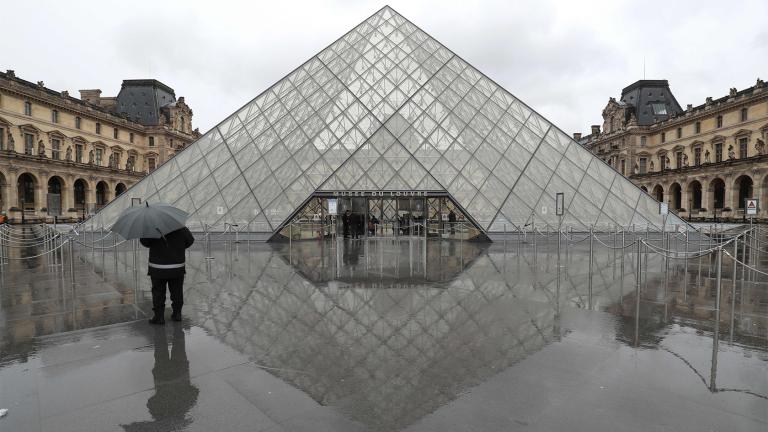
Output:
(141, 100)
(652, 99)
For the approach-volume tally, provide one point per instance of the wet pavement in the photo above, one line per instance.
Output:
(387, 335)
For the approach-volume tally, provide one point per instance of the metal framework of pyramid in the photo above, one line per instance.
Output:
(387, 107)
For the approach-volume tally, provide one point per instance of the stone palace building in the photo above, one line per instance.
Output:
(64, 156)
(704, 161)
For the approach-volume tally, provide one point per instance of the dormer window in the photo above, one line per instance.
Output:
(659, 108)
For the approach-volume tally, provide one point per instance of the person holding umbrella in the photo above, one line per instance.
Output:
(162, 229)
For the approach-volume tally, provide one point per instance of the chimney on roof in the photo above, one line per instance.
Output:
(11, 73)
(576, 136)
(181, 99)
(92, 96)
(689, 107)
(595, 130)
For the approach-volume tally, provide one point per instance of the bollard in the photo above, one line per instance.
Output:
(591, 258)
(637, 294)
(733, 285)
(685, 276)
(71, 261)
(716, 333)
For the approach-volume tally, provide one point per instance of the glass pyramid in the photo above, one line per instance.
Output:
(387, 107)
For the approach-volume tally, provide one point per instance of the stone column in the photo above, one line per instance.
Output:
(90, 193)
(68, 200)
(41, 194)
(13, 190)
(707, 197)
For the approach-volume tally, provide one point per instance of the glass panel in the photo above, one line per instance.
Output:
(256, 173)
(225, 173)
(507, 172)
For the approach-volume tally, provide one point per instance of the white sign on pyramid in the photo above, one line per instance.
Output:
(388, 108)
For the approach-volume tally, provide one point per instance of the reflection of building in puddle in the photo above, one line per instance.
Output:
(387, 357)
(390, 262)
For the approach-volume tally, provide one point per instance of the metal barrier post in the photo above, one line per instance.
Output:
(135, 266)
(685, 276)
(71, 261)
(637, 293)
(733, 285)
(591, 258)
(114, 250)
(716, 335)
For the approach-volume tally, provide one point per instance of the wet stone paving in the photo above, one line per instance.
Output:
(529, 333)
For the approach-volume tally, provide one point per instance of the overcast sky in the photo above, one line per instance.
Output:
(563, 58)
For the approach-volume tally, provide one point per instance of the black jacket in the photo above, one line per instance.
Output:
(168, 252)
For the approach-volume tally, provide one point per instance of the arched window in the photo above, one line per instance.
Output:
(26, 190)
(80, 189)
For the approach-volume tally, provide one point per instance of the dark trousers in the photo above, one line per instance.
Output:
(175, 286)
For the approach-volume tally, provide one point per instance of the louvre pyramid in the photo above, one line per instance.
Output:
(387, 107)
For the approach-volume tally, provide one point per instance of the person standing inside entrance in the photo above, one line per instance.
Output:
(166, 267)
(346, 222)
(452, 222)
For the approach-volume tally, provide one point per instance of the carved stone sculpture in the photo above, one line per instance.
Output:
(90, 157)
(69, 154)
(760, 146)
(41, 149)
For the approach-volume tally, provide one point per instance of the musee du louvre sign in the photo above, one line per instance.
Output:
(385, 110)
(380, 193)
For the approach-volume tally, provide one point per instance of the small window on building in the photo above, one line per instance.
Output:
(719, 152)
(130, 137)
(98, 128)
(56, 149)
(28, 108)
(151, 141)
(97, 156)
(679, 132)
(659, 108)
(679, 159)
(623, 167)
(662, 162)
(663, 137)
(697, 127)
(743, 148)
(697, 156)
(151, 164)
(54, 116)
(79, 153)
(170, 143)
(643, 165)
(719, 121)
(642, 141)
(77, 122)
(29, 144)
(2, 139)
(744, 114)
(115, 133)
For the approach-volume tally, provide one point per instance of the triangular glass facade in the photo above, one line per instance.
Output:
(387, 107)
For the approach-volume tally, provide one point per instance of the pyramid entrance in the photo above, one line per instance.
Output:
(386, 107)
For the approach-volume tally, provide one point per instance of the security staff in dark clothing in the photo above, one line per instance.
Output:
(166, 267)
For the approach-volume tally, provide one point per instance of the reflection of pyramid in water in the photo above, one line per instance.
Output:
(386, 107)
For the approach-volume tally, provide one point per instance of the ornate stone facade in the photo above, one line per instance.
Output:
(703, 161)
(84, 152)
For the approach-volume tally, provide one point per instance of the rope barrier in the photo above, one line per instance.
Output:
(744, 264)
